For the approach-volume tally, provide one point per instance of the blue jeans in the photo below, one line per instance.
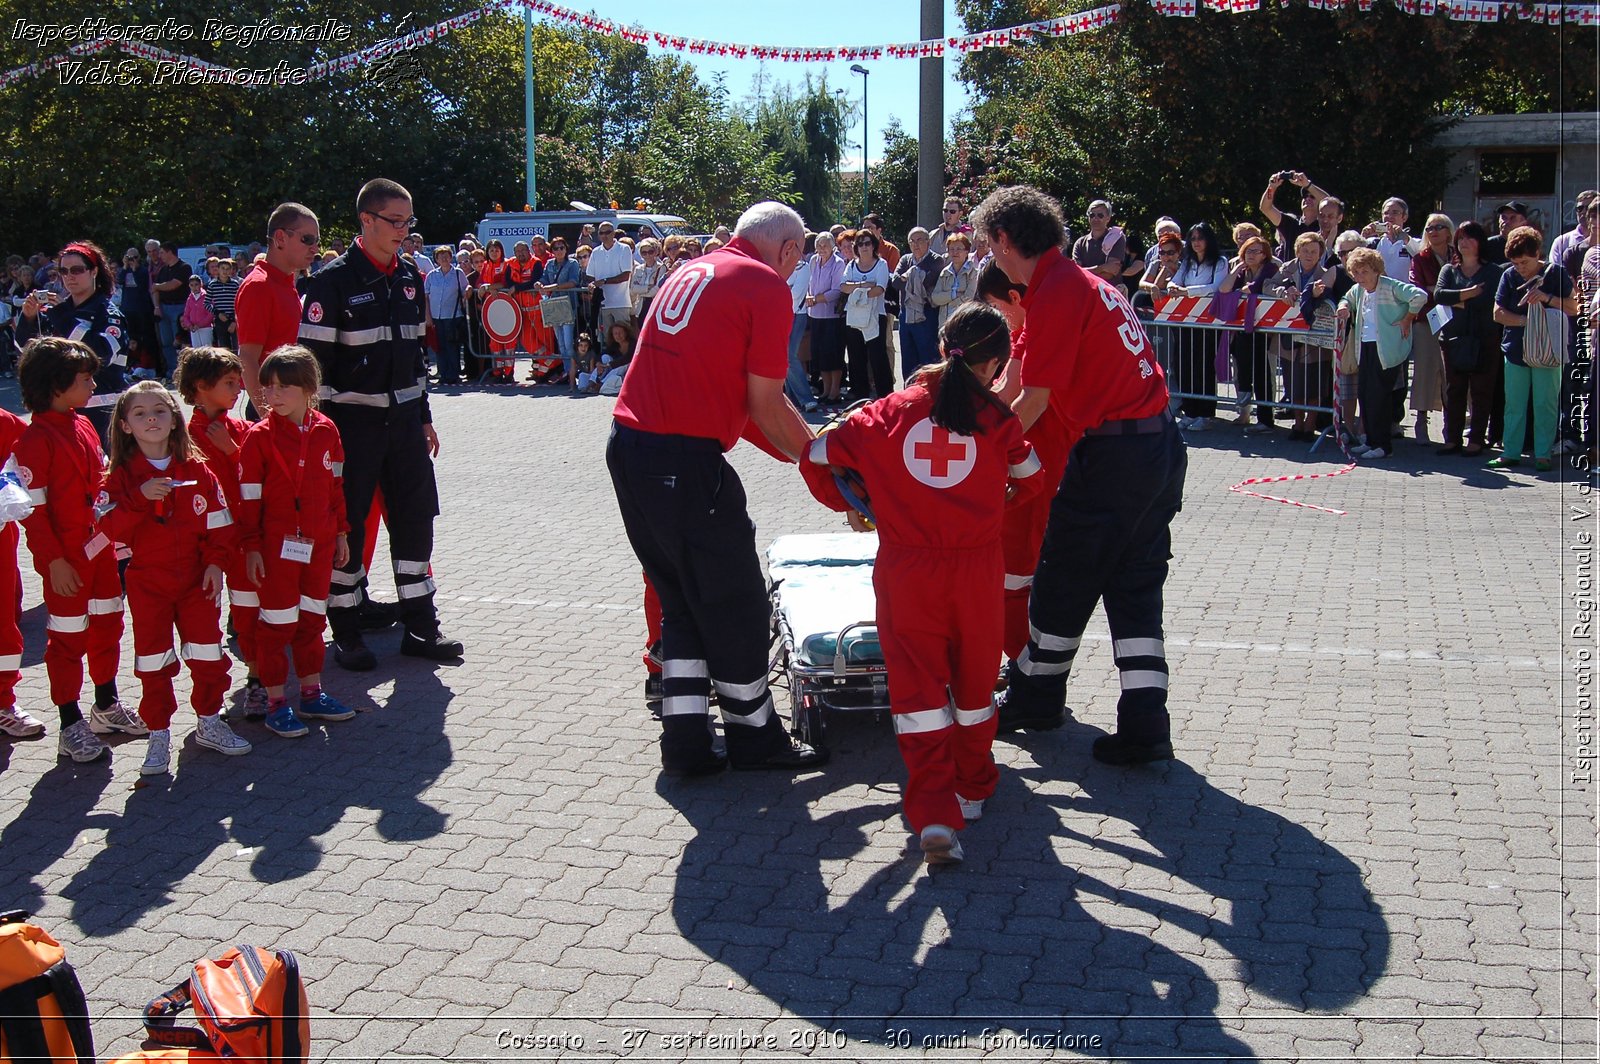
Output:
(449, 332)
(169, 336)
(919, 345)
(795, 384)
(566, 344)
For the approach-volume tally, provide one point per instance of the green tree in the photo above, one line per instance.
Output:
(805, 130)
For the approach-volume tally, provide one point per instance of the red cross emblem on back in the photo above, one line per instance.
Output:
(938, 457)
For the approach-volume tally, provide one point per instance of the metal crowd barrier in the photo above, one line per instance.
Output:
(1207, 370)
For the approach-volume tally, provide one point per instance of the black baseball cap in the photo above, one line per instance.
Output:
(1514, 205)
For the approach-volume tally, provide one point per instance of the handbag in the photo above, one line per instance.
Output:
(1544, 338)
(557, 310)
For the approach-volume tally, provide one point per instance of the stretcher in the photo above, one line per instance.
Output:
(825, 632)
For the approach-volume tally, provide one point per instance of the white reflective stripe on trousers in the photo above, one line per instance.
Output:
(923, 720)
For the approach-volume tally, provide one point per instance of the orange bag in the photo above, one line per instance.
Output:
(250, 1005)
(43, 1016)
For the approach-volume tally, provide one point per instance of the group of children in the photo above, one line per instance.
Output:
(192, 507)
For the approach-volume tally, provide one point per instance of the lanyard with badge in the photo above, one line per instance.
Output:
(296, 548)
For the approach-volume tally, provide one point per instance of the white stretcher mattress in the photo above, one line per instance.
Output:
(824, 582)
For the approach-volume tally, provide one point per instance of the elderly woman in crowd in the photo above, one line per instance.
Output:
(1201, 271)
(823, 320)
(1470, 341)
(1308, 362)
(1528, 287)
(1380, 313)
(958, 281)
(1427, 374)
(1252, 366)
(866, 279)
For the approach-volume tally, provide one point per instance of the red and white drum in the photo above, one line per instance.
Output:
(502, 317)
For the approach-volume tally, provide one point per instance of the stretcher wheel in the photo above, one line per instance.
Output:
(805, 720)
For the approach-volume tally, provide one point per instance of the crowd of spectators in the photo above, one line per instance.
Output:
(868, 312)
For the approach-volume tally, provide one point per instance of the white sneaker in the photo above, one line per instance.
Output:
(116, 717)
(214, 734)
(80, 743)
(157, 754)
(940, 845)
(20, 724)
(970, 810)
(1375, 453)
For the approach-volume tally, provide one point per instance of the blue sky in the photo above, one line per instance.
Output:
(892, 83)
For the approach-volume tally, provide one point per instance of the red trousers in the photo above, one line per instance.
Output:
(10, 609)
(939, 617)
(159, 604)
(652, 625)
(85, 625)
(294, 608)
(244, 603)
(1022, 537)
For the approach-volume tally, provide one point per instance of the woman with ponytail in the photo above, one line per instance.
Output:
(939, 460)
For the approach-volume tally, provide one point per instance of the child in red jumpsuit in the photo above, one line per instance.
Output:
(292, 522)
(210, 380)
(17, 723)
(167, 506)
(937, 459)
(60, 462)
(492, 278)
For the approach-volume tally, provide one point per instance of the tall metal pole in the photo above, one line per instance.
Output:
(866, 134)
(527, 104)
(930, 121)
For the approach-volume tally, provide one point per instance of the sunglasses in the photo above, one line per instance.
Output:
(398, 223)
(1436, 228)
(952, 210)
(1097, 214)
(74, 271)
(1167, 254)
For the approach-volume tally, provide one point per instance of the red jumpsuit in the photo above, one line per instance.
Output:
(938, 499)
(1022, 531)
(291, 484)
(493, 274)
(173, 541)
(518, 273)
(243, 601)
(11, 427)
(60, 461)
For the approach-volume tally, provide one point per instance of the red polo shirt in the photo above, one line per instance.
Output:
(268, 309)
(714, 321)
(1082, 340)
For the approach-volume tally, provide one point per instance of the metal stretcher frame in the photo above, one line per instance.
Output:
(814, 689)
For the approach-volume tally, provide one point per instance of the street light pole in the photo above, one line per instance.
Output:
(857, 68)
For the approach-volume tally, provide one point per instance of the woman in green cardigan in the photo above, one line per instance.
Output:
(1379, 312)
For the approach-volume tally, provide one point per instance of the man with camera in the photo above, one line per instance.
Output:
(1289, 226)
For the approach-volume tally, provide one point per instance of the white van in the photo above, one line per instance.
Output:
(511, 226)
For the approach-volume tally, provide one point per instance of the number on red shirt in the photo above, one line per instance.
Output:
(674, 304)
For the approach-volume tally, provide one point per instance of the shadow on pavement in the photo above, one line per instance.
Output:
(859, 937)
(271, 805)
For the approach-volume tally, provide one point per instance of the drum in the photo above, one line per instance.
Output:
(502, 317)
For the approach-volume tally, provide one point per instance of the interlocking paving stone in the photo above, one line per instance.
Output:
(1368, 848)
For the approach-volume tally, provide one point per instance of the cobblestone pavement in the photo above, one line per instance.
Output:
(1370, 847)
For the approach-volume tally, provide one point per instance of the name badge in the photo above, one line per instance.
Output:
(96, 545)
(296, 549)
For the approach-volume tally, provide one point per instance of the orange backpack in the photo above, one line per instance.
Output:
(43, 1016)
(250, 1005)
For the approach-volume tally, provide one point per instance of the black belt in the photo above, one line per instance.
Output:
(658, 441)
(1132, 426)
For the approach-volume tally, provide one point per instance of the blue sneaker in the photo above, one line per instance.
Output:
(324, 708)
(282, 721)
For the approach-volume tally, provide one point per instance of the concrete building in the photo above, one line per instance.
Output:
(1544, 160)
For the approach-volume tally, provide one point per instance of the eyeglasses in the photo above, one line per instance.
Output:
(74, 271)
(1098, 214)
(398, 223)
(1437, 227)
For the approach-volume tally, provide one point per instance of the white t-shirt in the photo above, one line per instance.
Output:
(603, 263)
(1369, 317)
